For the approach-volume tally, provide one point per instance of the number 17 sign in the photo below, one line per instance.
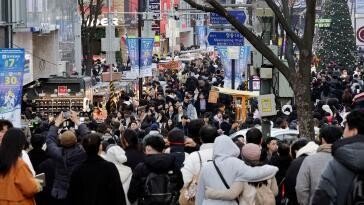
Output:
(11, 84)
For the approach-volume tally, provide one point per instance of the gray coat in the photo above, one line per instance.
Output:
(225, 154)
(336, 179)
(310, 172)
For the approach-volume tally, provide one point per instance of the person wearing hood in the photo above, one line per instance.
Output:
(155, 162)
(260, 193)
(225, 157)
(116, 155)
(299, 151)
(348, 160)
(312, 167)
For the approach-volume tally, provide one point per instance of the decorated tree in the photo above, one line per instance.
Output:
(336, 39)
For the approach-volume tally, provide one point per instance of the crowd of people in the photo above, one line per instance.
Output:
(173, 147)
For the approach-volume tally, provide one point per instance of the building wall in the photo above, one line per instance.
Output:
(25, 40)
(46, 50)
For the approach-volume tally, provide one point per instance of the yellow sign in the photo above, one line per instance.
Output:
(267, 105)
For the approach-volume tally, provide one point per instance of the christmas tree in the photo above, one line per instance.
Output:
(336, 35)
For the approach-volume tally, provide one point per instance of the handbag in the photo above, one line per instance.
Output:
(222, 178)
(188, 193)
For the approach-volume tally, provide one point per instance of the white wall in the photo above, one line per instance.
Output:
(24, 40)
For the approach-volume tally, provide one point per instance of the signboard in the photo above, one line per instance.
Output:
(154, 6)
(213, 96)
(267, 105)
(133, 51)
(216, 38)
(359, 7)
(62, 90)
(174, 65)
(217, 19)
(323, 23)
(201, 33)
(360, 31)
(11, 84)
(146, 57)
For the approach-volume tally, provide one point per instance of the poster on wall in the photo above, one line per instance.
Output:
(226, 64)
(146, 69)
(11, 84)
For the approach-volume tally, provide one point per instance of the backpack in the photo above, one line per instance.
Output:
(356, 194)
(158, 190)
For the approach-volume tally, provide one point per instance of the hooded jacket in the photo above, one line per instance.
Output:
(156, 163)
(225, 154)
(348, 161)
(116, 155)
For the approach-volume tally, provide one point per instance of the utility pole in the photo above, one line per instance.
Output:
(7, 9)
(140, 22)
(109, 30)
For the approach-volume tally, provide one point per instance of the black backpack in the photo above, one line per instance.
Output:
(356, 194)
(158, 189)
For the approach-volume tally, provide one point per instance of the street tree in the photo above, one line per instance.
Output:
(297, 73)
(89, 11)
(336, 40)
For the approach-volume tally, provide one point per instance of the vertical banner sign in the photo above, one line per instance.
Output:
(146, 69)
(201, 36)
(226, 63)
(133, 51)
(11, 84)
(243, 62)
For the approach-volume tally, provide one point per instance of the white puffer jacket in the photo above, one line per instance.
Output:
(116, 155)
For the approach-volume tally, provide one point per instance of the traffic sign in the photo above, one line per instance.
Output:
(217, 19)
(217, 38)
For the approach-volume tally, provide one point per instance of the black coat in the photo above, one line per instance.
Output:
(96, 182)
(291, 176)
(134, 157)
(37, 156)
(157, 163)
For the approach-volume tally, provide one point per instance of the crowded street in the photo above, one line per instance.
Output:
(181, 102)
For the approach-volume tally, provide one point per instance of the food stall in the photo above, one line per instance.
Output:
(50, 96)
(238, 95)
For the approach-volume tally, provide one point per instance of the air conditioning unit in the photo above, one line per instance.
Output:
(62, 68)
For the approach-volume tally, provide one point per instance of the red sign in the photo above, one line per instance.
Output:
(360, 34)
(62, 90)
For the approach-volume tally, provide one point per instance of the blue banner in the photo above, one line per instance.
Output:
(11, 84)
(133, 51)
(146, 57)
(201, 35)
(226, 64)
(217, 19)
(243, 61)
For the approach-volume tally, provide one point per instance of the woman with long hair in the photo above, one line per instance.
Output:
(17, 184)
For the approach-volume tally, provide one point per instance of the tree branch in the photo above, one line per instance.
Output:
(285, 24)
(197, 6)
(254, 40)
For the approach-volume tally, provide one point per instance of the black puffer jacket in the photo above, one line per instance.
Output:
(156, 163)
(66, 160)
(336, 179)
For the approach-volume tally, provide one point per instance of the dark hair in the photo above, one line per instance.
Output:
(156, 143)
(11, 148)
(194, 128)
(185, 117)
(269, 139)
(208, 134)
(37, 141)
(6, 123)
(131, 137)
(91, 143)
(283, 149)
(297, 145)
(254, 135)
(330, 134)
(176, 136)
(355, 119)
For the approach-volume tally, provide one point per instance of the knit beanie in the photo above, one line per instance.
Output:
(68, 139)
(251, 152)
